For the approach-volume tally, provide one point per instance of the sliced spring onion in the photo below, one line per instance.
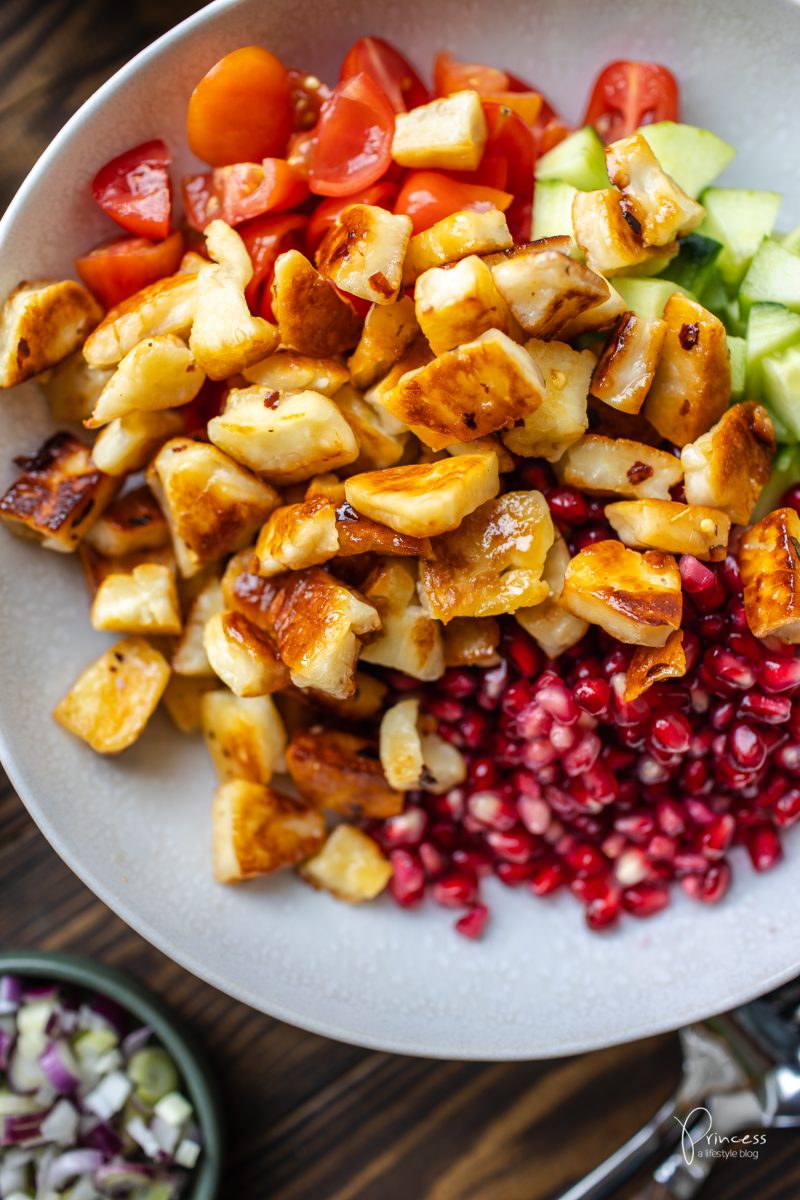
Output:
(175, 1109)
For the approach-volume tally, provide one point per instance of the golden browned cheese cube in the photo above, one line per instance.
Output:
(389, 329)
(363, 252)
(360, 535)
(96, 566)
(619, 466)
(366, 701)
(478, 388)
(493, 562)
(298, 536)
(115, 696)
(671, 526)
(635, 597)
(455, 237)
(471, 642)
(341, 772)
(189, 653)
(692, 385)
(72, 387)
(553, 627)
(244, 736)
(288, 371)
(459, 302)
(166, 306)
(627, 366)
(183, 700)
(598, 317)
(145, 600)
(127, 444)
(661, 207)
(612, 243)
(562, 417)
(409, 640)
(59, 495)
(769, 559)
(243, 656)
(312, 317)
(425, 499)
(130, 523)
(377, 446)
(449, 132)
(401, 745)
(727, 467)
(655, 664)
(40, 324)
(159, 373)
(545, 288)
(258, 830)
(351, 866)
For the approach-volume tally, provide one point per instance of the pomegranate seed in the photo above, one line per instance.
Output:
(661, 848)
(568, 506)
(445, 708)
(539, 753)
(513, 874)
(489, 809)
(585, 860)
(742, 642)
(670, 817)
(458, 682)
(548, 878)
(407, 828)
(592, 888)
(791, 498)
(455, 890)
(689, 862)
(492, 686)
(615, 663)
(639, 827)
(717, 837)
(593, 695)
(779, 675)
(746, 747)
(514, 847)
(432, 860)
(764, 847)
(713, 627)
(710, 887)
(557, 701)
(536, 474)
(631, 867)
(771, 710)
(787, 809)
(517, 698)
(696, 778)
(507, 752)
(483, 772)
(450, 804)
(672, 732)
(699, 812)
(407, 884)
(534, 722)
(721, 715)
(523, 653)
(701, 582)
(473, 727)
(645, 899)
(614, 845)
(788, 758)
(603, 910)
(731, 575)
(729, 668)
(473, 861)
(473, 922)
(535, 814)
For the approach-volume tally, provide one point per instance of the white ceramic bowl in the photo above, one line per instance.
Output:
(137, 829)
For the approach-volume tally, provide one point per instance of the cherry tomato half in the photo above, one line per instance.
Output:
(353, 144)
(629, 94)
(247, 190)
(133, 189)
(511, 138)
(449, 75)
(241, 110)
(116, 270)
(308, 96)
(381, 194)
(429, 196)
(265, 238)
(386, 67)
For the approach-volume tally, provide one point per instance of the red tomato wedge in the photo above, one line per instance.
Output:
(308, 96)
(491, 172)
(200, 202)
(429, 196)
(512, 139)
(353, 144)
(247, 190)
(116, 270)
(386, 67)
(133, 189)
(265, 238)
(629, 94)
(241, 110)
(326, 213)
(449, 75)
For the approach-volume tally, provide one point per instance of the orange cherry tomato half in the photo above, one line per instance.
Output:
(449, 75)
(629, 94)
(308, 96)
(265, 238)
(116, 270)
(247, 190)
(429, 196)
(241, 110)
(133, 189)
(386, 67)
(326, 213)
(353, 144)
(527, 105)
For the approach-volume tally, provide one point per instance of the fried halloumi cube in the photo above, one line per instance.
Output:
(213, 505)
(144, 601)
(662, 208)
(164, 307)
(471, 642)
(257, 830)
(545, 288)
(72, 387)
(364, 250)
(297, 536)
(400, 743)
(59, 495)
(409, 641)
(40, 324)
(445, 766)
(478, 388)
(635, 597)
(189, 654)
(418, 354)
(727, 467)
(115, 696)
(317, 622)
(286, 438)
(425, 499)
(769, 560)
(449, 132)
(158, 373)
(96, 566)
(341, 772)
(377, 447)
(247, 592)
(553, 627)
(488, 445)
(366, 701)
(128, 443)
(458, 303)
(130, 523)
(328, 485)
(692, 385)
(243, 656)
(183, 700)
(389, 329)
(454, 237)
(618, 466)
(627, 366)
(610, 235)
(360, 535)
(599, 316)
(312, 317)
(671, 526)
(562, 417)
(493, 562)
(288, 371)
(655, 664)
(351, 866)
(244, 737)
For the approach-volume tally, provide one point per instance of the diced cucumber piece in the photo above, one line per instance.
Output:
(791, 241)
(774, 274)
(552, 209)
(646, 297)
(174, 1108)
(780, 375)
(579, 160)
(154, 1074)
(94, 1044)
(693, 157)
(693, 265)
(737, 348)
(771, 328)
(740, 219)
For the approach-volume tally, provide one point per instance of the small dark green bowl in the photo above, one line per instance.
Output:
(148, 1010)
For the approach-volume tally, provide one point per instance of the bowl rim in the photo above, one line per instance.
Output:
(151, 1010)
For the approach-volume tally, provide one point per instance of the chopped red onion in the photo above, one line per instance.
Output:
(70, 1165)
(106, 1100)
(143, 1137)
(103, 1136)
(6, 1044)
(59, 1065)
(10, 994)
(110, 1012)
(25, 1075)
(120, 1173)
(167, 1136)
(136, 1041)
(61, 1124)
(22, 1129)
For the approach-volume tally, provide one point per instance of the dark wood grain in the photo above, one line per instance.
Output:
(311, 1118)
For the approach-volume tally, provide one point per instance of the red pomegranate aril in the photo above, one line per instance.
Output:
(492, 686)
(764, 847)
(491, 810)
(696, 778)
(539, 753)
(557, 701)
(472, 728)
(583, 755)
(523, 653)
(742, 642)
(584, 860)
(661, 848)
(730, 669)
(779, 675)
(563, 737)
(445, 708)
(507, 751)
(590, 535)
(790, 498)
(614, 845)
(547, 878)
(473, 922)
(787, 808)
(713, 627)
(671, 732)
(599, 783)
(407, 884)
(709, 887)
(731, 575)
(721, 715)
(526, 784)
(536, 474)
(450, 804)
(483, 772)
(568, 505)
(691, 649)
(515, 847)
(407, 828)
(787, 758)
(638, 827)
(513, 874)
(671, 818)
(534, 813)
(432, 859)
(456, 889)
(717, 837)
(472, 860)
(769, 710)
(517, 698)
(702, 584)
(645, 899)
(458, 683)
(630, 868)
(443, 834)
(699, 812)
(593, 695)
(591, 887)
(747, 748)
(689, 862)
(586, 667)
(603, 911)
(615, 663)
(561, 802)
(534, 722)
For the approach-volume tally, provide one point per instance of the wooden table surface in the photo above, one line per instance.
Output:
(312, 1119)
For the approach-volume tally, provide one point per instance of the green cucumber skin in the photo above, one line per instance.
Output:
(579, 160)
(692, 156)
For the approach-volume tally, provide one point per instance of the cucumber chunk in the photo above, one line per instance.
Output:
(737, 347)
(785, 472)
(646, 297)
(740, 219)
(780, 374)
(693, 157)
(771, 328)
(693, 265)
(154, 1074)
(774, 274)
(791, 241)
(579, 160)
(552, 209)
